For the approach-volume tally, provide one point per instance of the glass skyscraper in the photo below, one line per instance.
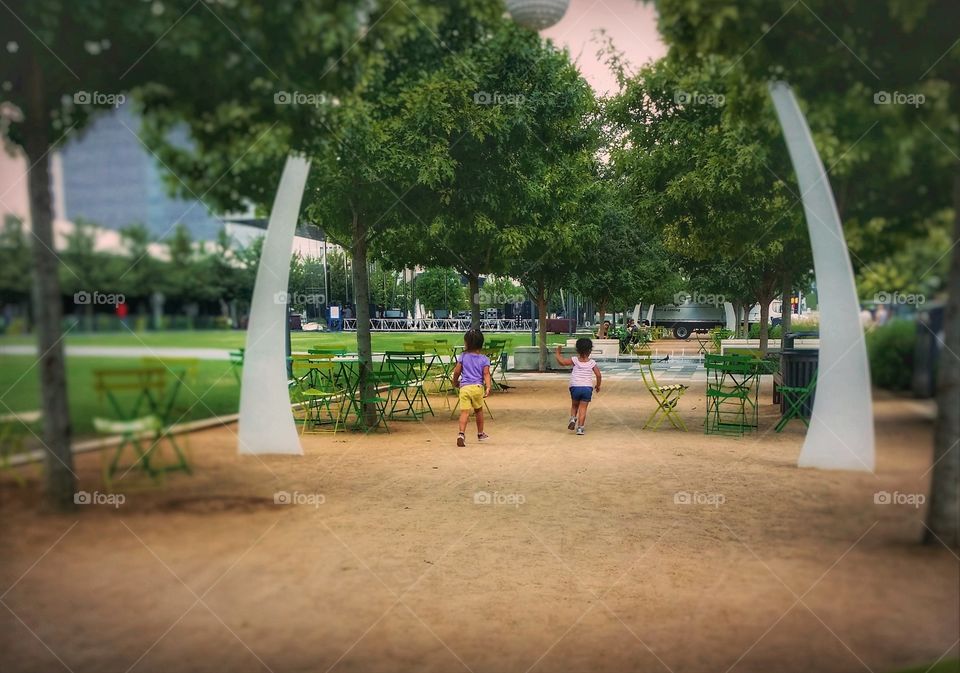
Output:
(112, 180)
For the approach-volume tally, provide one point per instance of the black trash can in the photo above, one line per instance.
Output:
(797, 368)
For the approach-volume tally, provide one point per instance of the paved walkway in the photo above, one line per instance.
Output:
(673, 368)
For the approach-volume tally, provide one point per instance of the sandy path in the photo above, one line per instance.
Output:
(586, 564)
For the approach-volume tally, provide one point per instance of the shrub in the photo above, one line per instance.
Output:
(773, 333)
(890, 349)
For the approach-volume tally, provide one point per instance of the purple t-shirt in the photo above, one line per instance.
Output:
(472, 368)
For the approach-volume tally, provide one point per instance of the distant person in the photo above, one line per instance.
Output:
(882, 315)
(472, 377)
(581, 383)
(602, 331)
(122, 311)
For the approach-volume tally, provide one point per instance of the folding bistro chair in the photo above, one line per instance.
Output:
(494, 351)
(409, 372)
(666, 397)
(795, 399)
(236, 364)
(13, 430)
(730, 385)
(134, 433)
(115, 388)
(375, 400)
(318, 395)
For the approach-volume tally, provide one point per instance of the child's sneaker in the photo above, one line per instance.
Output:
(461, 441)
(573, 423)
(581, 430)
(482, 437)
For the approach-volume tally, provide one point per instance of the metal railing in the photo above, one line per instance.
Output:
(441, 325)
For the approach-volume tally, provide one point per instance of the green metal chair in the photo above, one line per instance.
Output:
(494, 351)
(134, 433)
(409, 373)
(319, 397)
(236, 364)
(14, 427)
(730, 385)
(795, 398)
(333, 352)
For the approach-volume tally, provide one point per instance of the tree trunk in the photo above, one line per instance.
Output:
(474, 280)
(360, 297)
(766, 296)
(765, 322)
(943, 517)
(786, 307)
(542, 325)
(60, 477)
(602, 310)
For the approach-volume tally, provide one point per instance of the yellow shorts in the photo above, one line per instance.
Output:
(471, 397)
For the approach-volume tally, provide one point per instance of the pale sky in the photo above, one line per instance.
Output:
(631, 24)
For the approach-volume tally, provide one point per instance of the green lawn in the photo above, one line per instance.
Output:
(300, 340)
(215, 391)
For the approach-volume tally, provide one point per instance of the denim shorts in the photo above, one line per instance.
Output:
(581, 393)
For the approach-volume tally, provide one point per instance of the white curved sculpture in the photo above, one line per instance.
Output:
(537, 14)
(840, 436)
(266, 420)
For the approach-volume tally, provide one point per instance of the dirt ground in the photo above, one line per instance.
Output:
(585, 558)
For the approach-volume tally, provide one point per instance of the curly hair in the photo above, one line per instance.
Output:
(473, 339)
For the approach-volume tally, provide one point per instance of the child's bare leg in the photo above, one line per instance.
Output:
(479, 415)
(574, 405)
(582, 414)
(464, 417)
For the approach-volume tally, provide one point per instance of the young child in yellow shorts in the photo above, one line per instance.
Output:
(472, 377)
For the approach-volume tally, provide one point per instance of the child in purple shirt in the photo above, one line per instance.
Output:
(472, 377)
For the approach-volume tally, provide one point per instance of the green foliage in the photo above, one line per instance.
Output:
(626, 265)
(721, 213)
(890, 350)
(890, 165)
(500, 290)
(441, 288)
(918, 267)
(774, 332)
(15, 262)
